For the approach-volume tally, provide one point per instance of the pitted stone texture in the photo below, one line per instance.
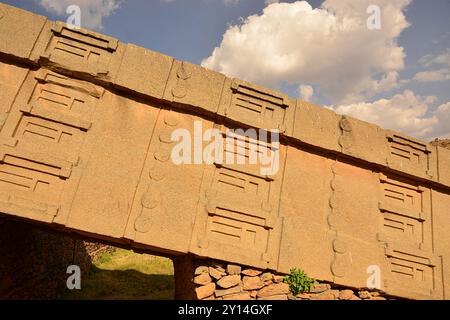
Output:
(205, 291)
(229, 281)
(19, 30)
(275, 289)
(202, 279)
(252, 283)
(86, 125)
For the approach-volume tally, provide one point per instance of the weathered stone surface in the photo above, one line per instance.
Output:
(320, 287)
(233, 269)
(201, 269)
(364, 294)
(267, 276)
(219, 267)
(205, 291)
(188, 84)
(229, 281)
(327, 295)
(215, 273)
(144, 71)
(251, 272)
(443, 165)
(202, 279)
(19, 30)
(336, 293)
(275, 289)
(86, 126)
(224, 292)
(278, 279)
(317, 126)
(252, 283)
(346, 295)
(275, 297)
(238, 296)
(304, 296)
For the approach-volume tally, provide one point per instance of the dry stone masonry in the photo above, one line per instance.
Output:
(34, 260)
(85, 147)
(224, 281)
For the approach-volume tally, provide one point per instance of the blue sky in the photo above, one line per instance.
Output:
(412, 101)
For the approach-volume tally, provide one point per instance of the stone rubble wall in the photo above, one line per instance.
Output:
(34, 261)
(225, 281)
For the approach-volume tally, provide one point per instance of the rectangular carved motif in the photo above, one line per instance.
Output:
(58, 139)
(225, 229)
(404, 212)
(414, 270)
(408, 154)
(80, 48)
(28, 180)
(233, 182)
(239, 218)
(57, 98)
(256, 105)
(29, 190)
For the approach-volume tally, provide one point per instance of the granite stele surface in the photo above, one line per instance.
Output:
(86, 147)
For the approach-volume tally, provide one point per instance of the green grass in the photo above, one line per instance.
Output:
(124, 274)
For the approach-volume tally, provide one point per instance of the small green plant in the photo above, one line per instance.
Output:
(299, 281)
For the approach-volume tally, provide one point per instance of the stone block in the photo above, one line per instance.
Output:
(364, 294)
(444, 165)
(223, 292)
(11, 79)
(233, 269)
(363, 140)
(320, 287)
(194, 86)
(266, 276)
(411, 155)
(251, 272)
(274, 290)
(77, 51)
(201, 269)
(346, 294)
(143, 71)
(237, 296)
(275, 297)
(259, 107)
(216, 274)
(205, 291)
(317, 126)
(229, 281)
(252, 283)
(19, 30)
(202, 279)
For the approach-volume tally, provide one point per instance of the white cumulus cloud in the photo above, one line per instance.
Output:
(92, 11)
(329, 46)
(406, 112)
(433, 75)
(305, 92)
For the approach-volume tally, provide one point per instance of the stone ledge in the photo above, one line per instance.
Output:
(157, 76)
